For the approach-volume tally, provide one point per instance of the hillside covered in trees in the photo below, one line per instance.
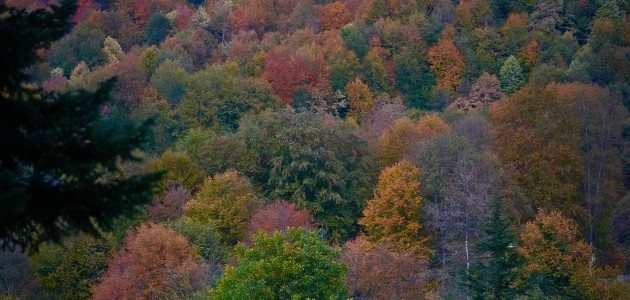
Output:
(315, 149)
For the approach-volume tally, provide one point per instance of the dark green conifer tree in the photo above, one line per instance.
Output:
(60, 152)
(495, 274)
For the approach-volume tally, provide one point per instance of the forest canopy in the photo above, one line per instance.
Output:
(373, 149)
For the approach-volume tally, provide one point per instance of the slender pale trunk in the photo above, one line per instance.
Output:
(467, 255)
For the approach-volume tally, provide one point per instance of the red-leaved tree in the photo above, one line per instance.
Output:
(279, 216)
(287, 71)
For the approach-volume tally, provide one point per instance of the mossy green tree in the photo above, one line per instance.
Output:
(149, 60)
(217, 97)
(511, 75)
(157, 29)
(295, 264)
(70, 271)
(82, 44)
(314, 161)
(354, 39)
(414, 79)
(169, 80)
(205, 240)
(178, 168)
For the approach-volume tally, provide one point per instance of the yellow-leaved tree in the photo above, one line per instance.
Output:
(227, 201)
(360, 97)
(394, 214)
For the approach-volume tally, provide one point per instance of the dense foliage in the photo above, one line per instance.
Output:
(496, 275)
(154, 263)
(296, 264)
(374, 149)
(394, 214)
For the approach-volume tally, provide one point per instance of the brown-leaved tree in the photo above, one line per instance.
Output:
(154, 263)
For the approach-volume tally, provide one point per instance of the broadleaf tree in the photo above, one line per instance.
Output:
(227, 201)
(511, 75)
(295, 264)
(314, 161)
(395, 213)
(154, 263)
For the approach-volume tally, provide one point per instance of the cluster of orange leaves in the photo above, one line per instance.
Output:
(279, 216)
(448, 64)
(334, 15)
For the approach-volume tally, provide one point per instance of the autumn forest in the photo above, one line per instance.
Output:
(315, 149)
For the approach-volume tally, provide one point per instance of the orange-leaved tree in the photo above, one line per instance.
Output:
(257, 15)
(431, 124)
(394, 214)
(287, 71)
(334, 15)
(360, 97)
(601, 117)
(447, 63)
(538, 142)
(403, 137)
(397, 141)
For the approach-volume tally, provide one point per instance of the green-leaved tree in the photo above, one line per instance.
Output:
(511, 75)
(495, 274)
(295, 264)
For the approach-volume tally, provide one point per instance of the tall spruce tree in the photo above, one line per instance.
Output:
(60, 154)
(494, 275)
